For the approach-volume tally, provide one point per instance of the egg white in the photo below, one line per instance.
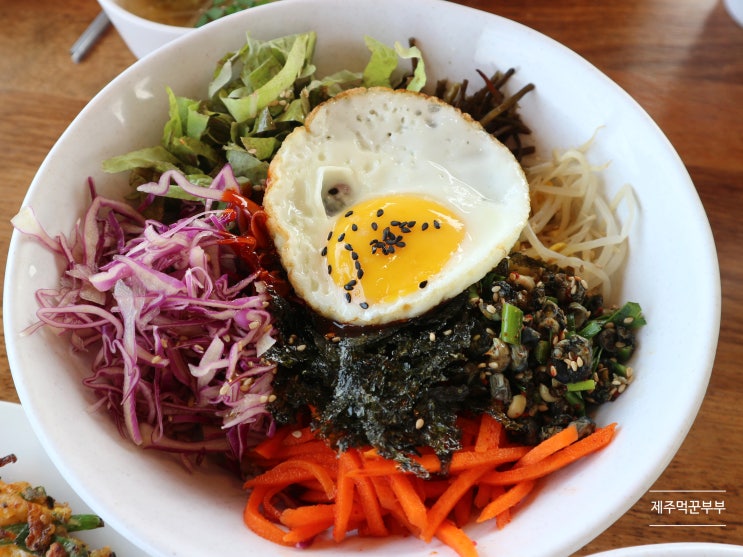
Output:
(376, 142)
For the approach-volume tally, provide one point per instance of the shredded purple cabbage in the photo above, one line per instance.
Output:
(175, 330)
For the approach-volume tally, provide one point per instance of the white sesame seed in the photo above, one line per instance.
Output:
(419, 423)
(264, 399)
(432, 336)
(447, 332)
(254, 325)
(301, 347)
(490, 308)
(296, 434)
(272, 398)
(579, 361)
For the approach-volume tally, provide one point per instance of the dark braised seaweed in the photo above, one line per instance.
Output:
(401, 387)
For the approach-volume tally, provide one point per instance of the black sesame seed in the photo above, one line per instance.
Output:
(330, 235)
(354, 256)
(374, 226)
(410, 223)
(354, 227)
(330, 269)
(357, 264)
(324, 251)
(400, 244)
(423, 284)
(436, 224)
(348, 247)
(349, 285)
(380, 212)
(342, 237)
(348, 297)
(359, 274)
(424, 226)
(349, 213)
(395, 223)
(364, 305)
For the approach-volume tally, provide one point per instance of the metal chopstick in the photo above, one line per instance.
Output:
(89, 37)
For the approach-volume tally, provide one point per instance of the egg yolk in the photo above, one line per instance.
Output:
(382, 249)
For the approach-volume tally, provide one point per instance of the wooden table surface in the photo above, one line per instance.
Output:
(682, 60)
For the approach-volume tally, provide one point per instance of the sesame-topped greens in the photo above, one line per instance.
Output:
(528, 344)
(32, 523)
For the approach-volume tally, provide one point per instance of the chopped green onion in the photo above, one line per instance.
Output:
(623, 354)
(575, 400)
(78, 522)
(542, 351)
(617, 368)
(629, 315)
(586, 385)
(512, 319)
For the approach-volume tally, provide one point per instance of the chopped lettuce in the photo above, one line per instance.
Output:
(257, 96)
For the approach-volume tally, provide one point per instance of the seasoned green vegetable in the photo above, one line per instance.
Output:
(33, 523)
(402, 387)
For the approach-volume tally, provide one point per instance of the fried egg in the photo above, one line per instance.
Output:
(388, 202)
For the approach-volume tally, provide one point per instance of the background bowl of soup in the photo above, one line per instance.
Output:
(146, 25)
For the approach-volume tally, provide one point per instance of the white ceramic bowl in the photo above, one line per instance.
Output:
(140, 34)
(167, 511)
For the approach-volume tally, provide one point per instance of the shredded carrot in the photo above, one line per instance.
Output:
(558, 441)
(506, 501)
(593, 442)
(489, 434)
(257, 522)
(457, 539)
(308, 489)
(344, 497)
(409, 499)
(444, 504)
